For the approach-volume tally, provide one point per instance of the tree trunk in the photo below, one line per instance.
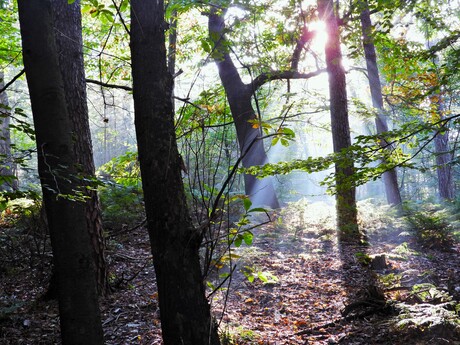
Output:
(67, 22)
(239, 97)
(443, 169)
(185, 312)
(6, 166)
(58, 168)
(346, 192)
(441, 141)
(390, 178)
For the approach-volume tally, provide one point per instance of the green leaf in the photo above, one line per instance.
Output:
(247, 204)
(257, 209)
(205, 45)
(248, 237)
(70, 1)
(238, 241)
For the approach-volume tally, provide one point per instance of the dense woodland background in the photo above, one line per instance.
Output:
(258, 172)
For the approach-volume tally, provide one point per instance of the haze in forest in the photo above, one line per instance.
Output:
(230, 172)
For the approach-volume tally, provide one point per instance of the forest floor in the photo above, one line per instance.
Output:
(391, 291)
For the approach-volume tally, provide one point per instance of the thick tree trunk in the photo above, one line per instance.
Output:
(390, 178)
(185, 312)
(57, 167)
(6, 166)
(346, 192)
(67, 21)
(239, 97)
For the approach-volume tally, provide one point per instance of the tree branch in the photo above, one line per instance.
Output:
(263, 78)
(129, 88)
(305, 38)
(112, 86)
(16, 77)
(121, 17)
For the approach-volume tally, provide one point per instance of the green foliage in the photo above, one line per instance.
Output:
(265, 277)
(430, 293)
(372, 155)
(123, 170)
(363, 258)
(121, 195)
(239, 335)
(390, 280)
(431, 226)
(121, 204)
(10, 40)
(24, 238)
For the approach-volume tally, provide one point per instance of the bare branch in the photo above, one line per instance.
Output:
(112, 86)
(121, 17)
(16, 77)
(305, 38)
(279, 75)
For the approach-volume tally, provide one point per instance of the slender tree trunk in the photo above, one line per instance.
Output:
(6, 166)
(67, 22)
(346, 192)
(443, 170)
(185, 312)
(58, 170)
(390, 178)
(441, 141)
(239, 97)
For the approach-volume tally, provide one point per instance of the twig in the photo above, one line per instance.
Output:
(16, 77)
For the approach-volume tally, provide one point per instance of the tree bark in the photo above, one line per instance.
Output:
(344, 169)
(443, 153)
(6, 168)
(67, 22)
(185, 312)
(239, 96)
(443, 169)
(58, 168)
(390, 178)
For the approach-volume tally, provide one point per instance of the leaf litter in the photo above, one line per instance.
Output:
(311, 282)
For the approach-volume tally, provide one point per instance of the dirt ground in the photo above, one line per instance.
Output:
(312, 291)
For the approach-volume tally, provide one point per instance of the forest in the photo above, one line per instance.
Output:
(229, 172)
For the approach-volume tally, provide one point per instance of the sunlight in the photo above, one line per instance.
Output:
(319, 41)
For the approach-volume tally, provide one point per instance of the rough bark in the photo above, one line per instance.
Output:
(67, 22)
(390, 178)
(344, 169)
(239, 96)
(185, 312)
(6, 166)
(58, 168)
(443, 169)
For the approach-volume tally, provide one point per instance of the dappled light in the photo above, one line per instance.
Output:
(229, 173)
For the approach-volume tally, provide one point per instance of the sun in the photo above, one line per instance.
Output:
(319, 40)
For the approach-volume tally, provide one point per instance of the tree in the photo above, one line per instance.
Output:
(442, 152)
(390, 177)
(185, 312)
(67, 22)
(58, 170)
(345, 191)
(239, 97)
(443, 169)
(7, 179)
